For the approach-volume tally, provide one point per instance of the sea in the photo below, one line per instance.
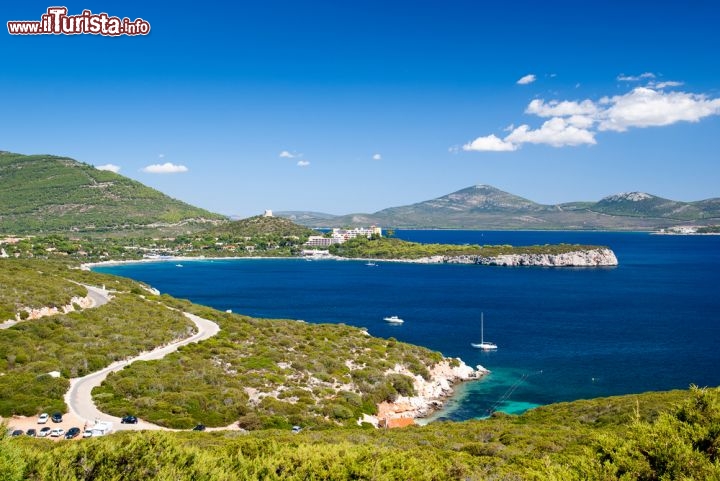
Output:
(650, 323)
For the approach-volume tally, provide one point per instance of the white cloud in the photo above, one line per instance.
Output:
(303, 163)
(644, 107)
(556, 108)
(556, 132)
(286, 155)
(161, 156)
(581, 121)
(667, 83)
(377, 157)
(527, 79)
(166, 168)
(489, 143)
(573, 122)
(110, 167)
(635, 78)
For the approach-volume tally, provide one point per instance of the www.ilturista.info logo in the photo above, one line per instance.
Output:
(57, 22)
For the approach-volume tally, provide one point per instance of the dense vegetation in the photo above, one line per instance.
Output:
(711, 229)
(261, 226)
(44, 193)
(265, 373)
(393, 248)
(654, 436)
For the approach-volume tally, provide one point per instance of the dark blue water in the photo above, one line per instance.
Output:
(652, 323)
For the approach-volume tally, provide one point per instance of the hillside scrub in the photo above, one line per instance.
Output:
(19, 289)
(650, 436)
(77, 343)
(45, 193)
(265, 373)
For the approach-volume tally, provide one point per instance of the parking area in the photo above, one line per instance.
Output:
(24, 423)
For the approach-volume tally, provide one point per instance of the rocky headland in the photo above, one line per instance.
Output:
(430, 394)
(583, 258)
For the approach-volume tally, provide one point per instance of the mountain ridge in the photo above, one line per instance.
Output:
(486, 207)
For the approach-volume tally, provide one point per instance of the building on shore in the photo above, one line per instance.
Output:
(339, 236)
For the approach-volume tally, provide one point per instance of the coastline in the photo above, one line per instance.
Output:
(87, 266)
(588, 258)
(430, 395)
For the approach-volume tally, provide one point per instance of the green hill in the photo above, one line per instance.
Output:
(261, 226)
(45, 193)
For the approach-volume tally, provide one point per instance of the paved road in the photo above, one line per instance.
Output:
(79, 396)
(99, 296)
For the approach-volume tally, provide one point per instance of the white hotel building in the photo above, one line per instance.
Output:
(338, 236)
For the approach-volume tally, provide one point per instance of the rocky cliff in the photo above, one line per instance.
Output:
(586, 258)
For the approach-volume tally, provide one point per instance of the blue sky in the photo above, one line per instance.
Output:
(347, 107)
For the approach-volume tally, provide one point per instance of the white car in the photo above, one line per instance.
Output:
(57, 432)
(43, 418)
(43, 432)
(87, 433)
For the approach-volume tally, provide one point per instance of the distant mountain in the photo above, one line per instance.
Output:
(49, 194)
(640, 204)
(486, 207)
(302, 216)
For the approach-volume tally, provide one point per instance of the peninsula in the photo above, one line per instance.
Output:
(557, 255)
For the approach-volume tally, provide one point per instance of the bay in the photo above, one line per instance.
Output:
(651, 323)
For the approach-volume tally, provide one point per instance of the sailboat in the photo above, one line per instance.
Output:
(485, 346)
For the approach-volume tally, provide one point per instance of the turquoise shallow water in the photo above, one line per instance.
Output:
(652, 323)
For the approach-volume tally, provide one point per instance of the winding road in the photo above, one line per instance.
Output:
(79, 396)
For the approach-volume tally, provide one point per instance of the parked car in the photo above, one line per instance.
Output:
(72, 433)
(296, 429)
(44, 432)
(57, 432)
(17, 432)
(43, 418)
(31, 432)
(199, 427)
(56, 417)
(129, 419)
(87, 433)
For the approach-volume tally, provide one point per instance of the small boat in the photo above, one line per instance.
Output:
(485, 346)
(178, 265)
(370, 263)
(393, 320)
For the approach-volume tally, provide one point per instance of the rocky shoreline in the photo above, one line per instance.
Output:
(430, 396)
(583, 258)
